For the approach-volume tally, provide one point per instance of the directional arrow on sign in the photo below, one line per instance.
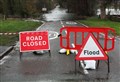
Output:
(91, 50)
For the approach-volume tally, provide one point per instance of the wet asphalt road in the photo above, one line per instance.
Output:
(57, 67)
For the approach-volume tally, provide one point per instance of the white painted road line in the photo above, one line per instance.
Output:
(118, 38)
(71, 22)
(40, 26)
(100, 33)
(84, 25)
(62, 24)
(55, 35)
(53, 32)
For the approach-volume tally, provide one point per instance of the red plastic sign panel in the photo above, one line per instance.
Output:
(34, 41)
(91, 50)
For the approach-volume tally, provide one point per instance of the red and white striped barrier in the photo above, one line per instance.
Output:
(9, 33)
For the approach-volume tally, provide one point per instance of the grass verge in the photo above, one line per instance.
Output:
(15, 25)
(94, 21)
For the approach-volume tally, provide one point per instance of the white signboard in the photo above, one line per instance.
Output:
(44, 9)
(91, 50)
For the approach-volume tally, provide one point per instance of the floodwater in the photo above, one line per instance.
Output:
(58, 14)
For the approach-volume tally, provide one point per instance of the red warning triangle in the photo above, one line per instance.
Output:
(91, 50)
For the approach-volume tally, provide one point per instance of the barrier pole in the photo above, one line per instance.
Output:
(49, 52)
(75, 68)
(108, 65)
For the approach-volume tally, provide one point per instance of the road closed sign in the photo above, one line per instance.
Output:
(34, 41)
(91, 50)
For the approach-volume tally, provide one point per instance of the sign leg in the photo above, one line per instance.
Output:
(49, 53)
(98, 62)
(75, 68)
(20, 53)
(79, 63)
(108, 65)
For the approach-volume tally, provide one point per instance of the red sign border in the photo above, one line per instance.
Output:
(33, 50)
(91, 58)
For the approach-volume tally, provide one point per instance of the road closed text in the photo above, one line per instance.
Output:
(34, 41)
